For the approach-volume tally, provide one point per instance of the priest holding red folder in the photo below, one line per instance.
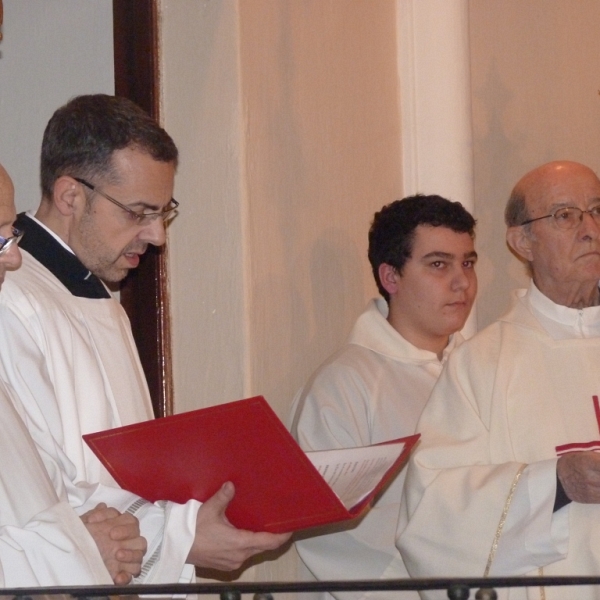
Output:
(107, 174)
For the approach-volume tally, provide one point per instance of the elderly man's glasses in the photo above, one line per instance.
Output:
(569, 217)
(7, 243)
(141, 218)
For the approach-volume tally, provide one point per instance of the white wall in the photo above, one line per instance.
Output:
(322, 154)
(435, 95)
(52, 50)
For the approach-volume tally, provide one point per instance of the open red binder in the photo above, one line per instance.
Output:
(190, 455)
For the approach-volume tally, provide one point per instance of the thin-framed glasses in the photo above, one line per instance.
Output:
(140, 218)
(7, 243)
(569, 217)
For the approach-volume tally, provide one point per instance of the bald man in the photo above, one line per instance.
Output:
(506, 480)
(42, 540)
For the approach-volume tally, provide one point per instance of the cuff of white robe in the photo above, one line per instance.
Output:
(533, 536)
(179, 534)
(549, 539)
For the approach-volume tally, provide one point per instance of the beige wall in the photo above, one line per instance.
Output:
(202, 111)
(535, 68)
(287, 118)
(322, 153)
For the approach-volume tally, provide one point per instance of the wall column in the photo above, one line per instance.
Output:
(435, 101)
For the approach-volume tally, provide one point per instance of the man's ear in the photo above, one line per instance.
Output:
(519, 241)
(389, 278)
(67, 195)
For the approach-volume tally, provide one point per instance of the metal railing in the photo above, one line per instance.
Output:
(457, 588)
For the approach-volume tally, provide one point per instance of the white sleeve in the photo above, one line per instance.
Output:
(42, 540)
(454, 497)
(168, 529)
(533, 535)
(53, 548)
(332, 412)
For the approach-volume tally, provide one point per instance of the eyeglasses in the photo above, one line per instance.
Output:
(140, 218)
(7, 243)
(569, 217)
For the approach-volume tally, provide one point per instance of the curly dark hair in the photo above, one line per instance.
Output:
(393, 229)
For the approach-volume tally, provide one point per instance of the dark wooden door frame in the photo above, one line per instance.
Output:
(144, 293)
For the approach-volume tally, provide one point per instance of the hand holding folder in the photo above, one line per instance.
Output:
(278, 489)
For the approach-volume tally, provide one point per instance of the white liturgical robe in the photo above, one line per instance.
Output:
(370, 391)
(74, 369)
(42, 541)
(517, 394)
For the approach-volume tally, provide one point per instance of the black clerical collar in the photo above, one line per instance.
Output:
(64, 265)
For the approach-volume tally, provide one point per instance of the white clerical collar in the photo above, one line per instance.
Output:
(562, 322)
(373, 331)
(31, 215)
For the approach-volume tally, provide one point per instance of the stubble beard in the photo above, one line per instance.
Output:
(94, 255)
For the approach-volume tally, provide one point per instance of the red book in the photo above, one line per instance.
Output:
(190, 455)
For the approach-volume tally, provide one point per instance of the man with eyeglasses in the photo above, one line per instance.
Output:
(107, 174)
(506, 480)
(42, 540)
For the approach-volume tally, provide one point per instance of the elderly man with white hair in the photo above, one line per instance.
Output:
(506, 480)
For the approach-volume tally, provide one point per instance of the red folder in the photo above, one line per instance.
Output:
(190, 455)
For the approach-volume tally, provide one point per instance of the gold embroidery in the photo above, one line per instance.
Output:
(542, 589)
(511, 493)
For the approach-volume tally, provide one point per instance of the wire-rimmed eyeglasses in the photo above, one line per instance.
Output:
(569, 217)
(7, 243)
(140, 218)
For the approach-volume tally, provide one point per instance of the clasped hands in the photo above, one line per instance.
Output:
(117, 536)
(217, 543)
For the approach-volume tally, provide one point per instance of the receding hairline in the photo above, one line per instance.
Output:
(518, 204)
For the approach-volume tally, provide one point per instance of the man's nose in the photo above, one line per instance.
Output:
(589, 226)
(154, 233)
(11, 259)
(460, 281)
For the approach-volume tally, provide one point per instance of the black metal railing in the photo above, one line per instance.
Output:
(457, 588)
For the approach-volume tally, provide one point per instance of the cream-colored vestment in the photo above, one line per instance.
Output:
(371, 391)
(513, 395)
(42, 540)
(73, 367)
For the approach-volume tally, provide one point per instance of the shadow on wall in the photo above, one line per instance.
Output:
(337, 287)
(497, 167)
(336, 279)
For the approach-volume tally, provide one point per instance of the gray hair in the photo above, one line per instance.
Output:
(516, 211)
